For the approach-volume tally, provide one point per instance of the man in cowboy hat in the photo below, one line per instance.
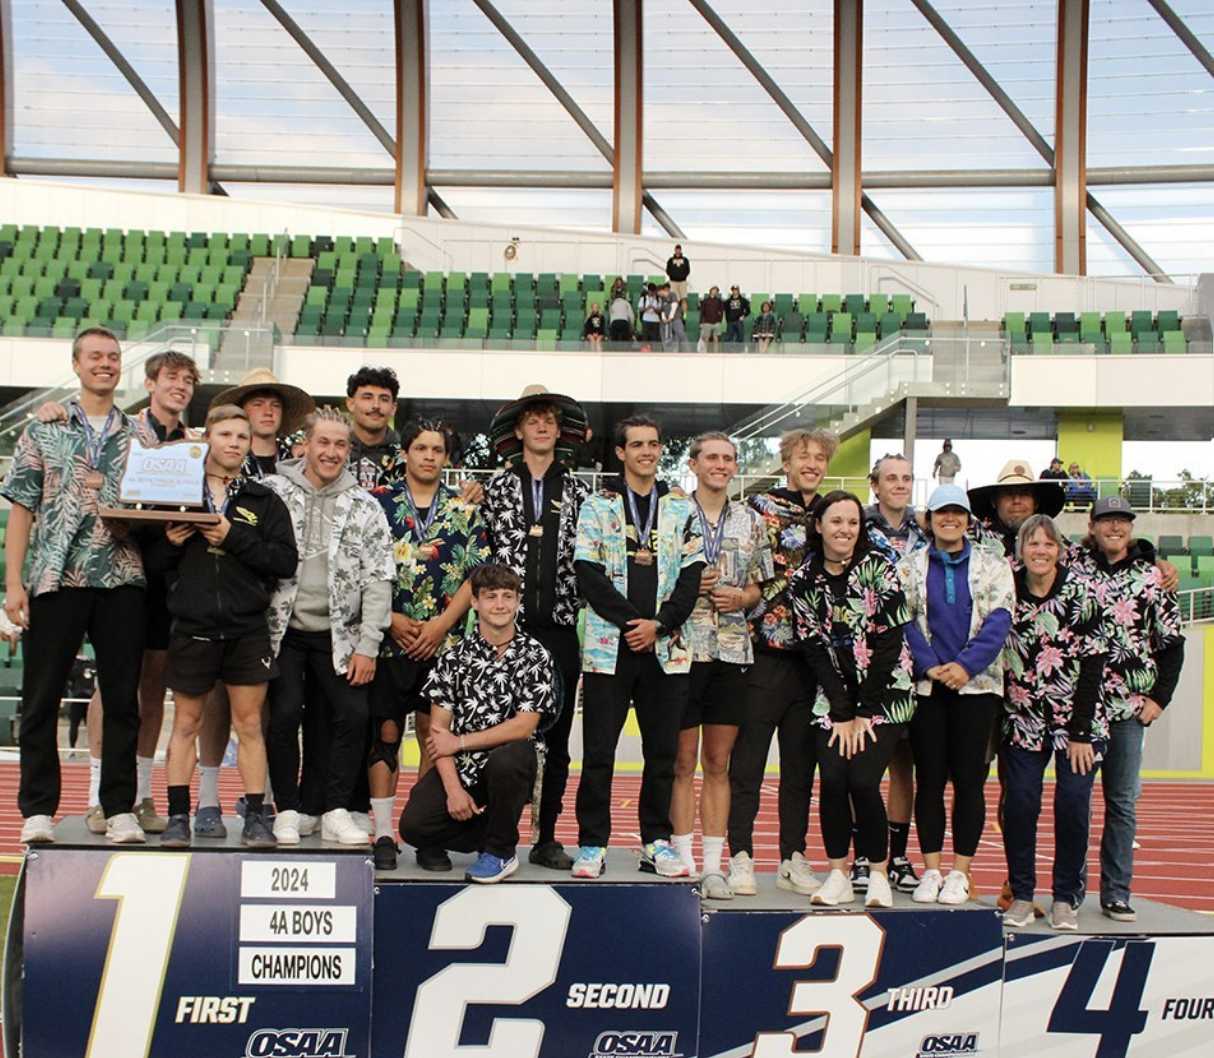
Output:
(531, 509)
(1000, 509)
(275, 411)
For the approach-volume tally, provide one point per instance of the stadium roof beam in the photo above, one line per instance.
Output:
(1070, 138)
(849, 133)
(580, 117)
(196, 95)
(1187, 36)
(798, 120)
(629, 111)
(412, 147)
(6, 86)
(1034, 137)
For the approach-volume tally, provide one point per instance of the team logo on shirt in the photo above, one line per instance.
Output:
(247, 516)
(948, 1045)
(631, 1044)
(297, 1043)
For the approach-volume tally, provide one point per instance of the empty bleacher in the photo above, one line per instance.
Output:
(1113, 332)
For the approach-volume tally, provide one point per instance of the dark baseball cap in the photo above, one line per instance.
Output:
(1112, 505)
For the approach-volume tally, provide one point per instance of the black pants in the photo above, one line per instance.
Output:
(336, 719)
(651, 330)
(503, 788)
(949, 737)
(659, 701)
(846, 785)
(114, 621)
(780, 693)
(620, 331)
(562, 644)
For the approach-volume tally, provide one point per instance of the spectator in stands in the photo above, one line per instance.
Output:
(737, 308)
(738, 556)
(670, 304)
(620, 318)
(84, 575)
(1054, 471)
(650, 310)
(639, 560)
(961, 599)
(1145, 655)
(1055, 657)
(678, 331)
(712, 312)
(531, 510)
(947, 465)
(595, 327)
(223, 575)
(437, 540)
(780, 686)
(326, 624)
(489, 697)
(678, 268)
(1080, 490)
(849, 610)
(765, 327)
(619, 289)
(375, 452)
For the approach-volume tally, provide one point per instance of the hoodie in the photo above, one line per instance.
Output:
(375, 465)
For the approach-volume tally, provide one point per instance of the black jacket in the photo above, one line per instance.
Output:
(678, 269)
(736, 309)
(224, 592)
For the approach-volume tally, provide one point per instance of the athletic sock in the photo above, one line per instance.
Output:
(179, 800)
(94, 781)
(898, 833)
(208, 786)
(713, 847)
(682, 845)
(254, 802)
(381, 812)
(143, 778)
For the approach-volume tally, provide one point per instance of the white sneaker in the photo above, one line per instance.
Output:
(835, 890)
(928, 889)
(38, 830)
(956, 888)
(879, 893)
(286, 828)
(308, 824)
(361, 819)
(336, 825)
(124, 829)
(742, 875)
(798, 876)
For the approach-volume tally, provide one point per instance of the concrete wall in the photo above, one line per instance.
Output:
(1075, 524)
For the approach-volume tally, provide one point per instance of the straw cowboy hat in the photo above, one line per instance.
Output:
(1016, 473)
(575, 429)
(296, 404)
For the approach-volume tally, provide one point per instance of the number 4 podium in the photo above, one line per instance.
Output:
(135, 952)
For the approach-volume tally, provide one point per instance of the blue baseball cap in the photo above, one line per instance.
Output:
(949, 496)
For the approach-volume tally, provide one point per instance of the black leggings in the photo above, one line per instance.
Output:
(845, 785)
(950, 733)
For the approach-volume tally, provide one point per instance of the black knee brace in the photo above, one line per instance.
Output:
(385, 753)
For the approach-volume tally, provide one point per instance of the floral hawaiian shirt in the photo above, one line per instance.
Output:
(70, 546)
(483, 689)
(787, 519)
(894, 542)
(432, 562)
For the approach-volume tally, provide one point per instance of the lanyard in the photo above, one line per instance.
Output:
(94, 442)
(421, 527)
(537, 498)
(713, 538)
(643, 531)
(229, 494)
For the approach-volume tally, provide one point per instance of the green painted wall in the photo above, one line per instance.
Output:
(851, 463)
(1093, 440)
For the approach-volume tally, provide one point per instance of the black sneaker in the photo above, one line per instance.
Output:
(902, 875)
(177, 834)
(384, 854)
(550, 854)
(433, 860)
(859, 875)
(257, 833)
(1117, 910)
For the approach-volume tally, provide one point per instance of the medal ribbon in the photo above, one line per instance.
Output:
(421, 527)
(643, 531)
(713, 538)
(537, 498)
(94, 442)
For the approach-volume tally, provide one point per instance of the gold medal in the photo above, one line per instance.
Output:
(644, 557)
(93, 480)
(536, 530)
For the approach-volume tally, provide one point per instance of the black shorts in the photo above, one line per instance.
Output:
(157, 619)
(195, 664)
(718, 694)
(397, 688)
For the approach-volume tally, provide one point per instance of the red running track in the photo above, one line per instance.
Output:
(1175, 831)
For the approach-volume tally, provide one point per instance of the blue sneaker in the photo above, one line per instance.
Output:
(659, 857)
(591, 861)
(208, 823)
(489, 868)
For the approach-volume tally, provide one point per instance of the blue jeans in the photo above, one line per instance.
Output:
(733, 331)
(1022, 770)
(1119, 777)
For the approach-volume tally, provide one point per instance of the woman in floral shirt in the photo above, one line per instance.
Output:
(849, 611)
(1054, 659)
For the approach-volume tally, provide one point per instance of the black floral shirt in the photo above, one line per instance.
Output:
(483, 689)
(787, 520)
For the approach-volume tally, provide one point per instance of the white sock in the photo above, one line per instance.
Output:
(713, 847)
(682, 845)
(94, 781)
(208, 786)
(381, 810)
(143, 778)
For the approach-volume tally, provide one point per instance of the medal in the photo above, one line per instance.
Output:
(93, 480)
(536, 530)
(421, 527)
(643, 531)
(714, 537)
(643, 556)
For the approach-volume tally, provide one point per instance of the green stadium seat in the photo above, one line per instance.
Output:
(840, 327)
(1148, 342)
(902, 304)
(1174, 342)
(1141, 322)
(854, 304)
(1201, 545)
(878, 304)
(1120, 343)
(1171, 545)
(1043, 343)
(1040, 323)
(1089, 328)
(1168, 320)
(832, 303)
(807, 304)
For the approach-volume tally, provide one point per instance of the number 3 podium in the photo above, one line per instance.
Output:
(303, 953)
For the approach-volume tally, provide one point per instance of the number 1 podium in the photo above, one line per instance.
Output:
(135, 952)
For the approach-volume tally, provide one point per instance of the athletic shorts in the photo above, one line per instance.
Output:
(196, 664)
(157, 619)
(717, 695)
(397, 688)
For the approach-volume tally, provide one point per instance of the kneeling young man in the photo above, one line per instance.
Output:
(488, 695)
(221, 577)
